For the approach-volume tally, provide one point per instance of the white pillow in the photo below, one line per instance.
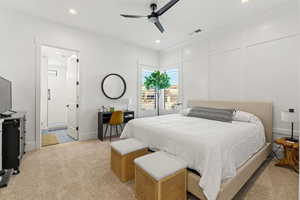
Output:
(185, 111)
(250, 118)
(246, 117)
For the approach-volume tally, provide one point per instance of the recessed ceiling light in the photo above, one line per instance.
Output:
(73, 11)
(245, 1)
(157, 41)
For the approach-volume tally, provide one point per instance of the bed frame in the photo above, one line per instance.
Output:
(264, 110)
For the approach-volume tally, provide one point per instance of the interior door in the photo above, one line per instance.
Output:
(72, 97)
(56, 96)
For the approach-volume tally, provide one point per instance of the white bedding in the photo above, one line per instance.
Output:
(215, 149)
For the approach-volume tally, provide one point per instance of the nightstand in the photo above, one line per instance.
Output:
(291, 154)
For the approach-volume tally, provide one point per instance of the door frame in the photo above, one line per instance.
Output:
(38, 71)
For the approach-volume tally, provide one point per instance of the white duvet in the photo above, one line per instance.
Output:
(215, 149)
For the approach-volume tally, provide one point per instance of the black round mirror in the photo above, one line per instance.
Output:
(113, 86)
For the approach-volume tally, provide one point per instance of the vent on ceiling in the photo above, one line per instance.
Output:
(196, 31)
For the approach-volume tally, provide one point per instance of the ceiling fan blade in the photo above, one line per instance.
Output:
(166, 7)
(159, 26)
(133, 16)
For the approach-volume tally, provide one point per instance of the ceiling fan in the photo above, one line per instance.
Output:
(154, 16)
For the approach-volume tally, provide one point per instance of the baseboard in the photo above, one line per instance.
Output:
(277, 132)
(56, 128)
(87, 135)
(280, 132)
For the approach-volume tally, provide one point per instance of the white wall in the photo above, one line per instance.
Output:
(257, 59)
(99, 55)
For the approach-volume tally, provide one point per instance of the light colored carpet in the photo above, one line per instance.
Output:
(49, 139)
(81, 171)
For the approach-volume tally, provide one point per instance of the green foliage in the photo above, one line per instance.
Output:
(157, 81)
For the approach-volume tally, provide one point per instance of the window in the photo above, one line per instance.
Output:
(147, 97)
(171, 95)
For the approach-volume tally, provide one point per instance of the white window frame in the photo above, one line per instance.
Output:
(140, 112)
(180, 92)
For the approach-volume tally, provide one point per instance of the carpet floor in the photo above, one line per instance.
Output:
(81, 171)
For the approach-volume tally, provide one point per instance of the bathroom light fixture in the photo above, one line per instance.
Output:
(245, 1)
(157, 41)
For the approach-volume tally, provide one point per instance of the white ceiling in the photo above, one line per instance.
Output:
(104, 16)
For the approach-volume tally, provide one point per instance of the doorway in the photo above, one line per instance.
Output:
(59, 96)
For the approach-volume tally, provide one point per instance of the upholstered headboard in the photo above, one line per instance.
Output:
(263, 110)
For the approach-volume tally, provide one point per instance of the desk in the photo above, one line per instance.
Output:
(104, 117)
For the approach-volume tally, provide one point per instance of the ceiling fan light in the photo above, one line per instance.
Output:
(154, 16)
(153, 19)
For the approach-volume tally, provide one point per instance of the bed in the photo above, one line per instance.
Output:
(225, 154)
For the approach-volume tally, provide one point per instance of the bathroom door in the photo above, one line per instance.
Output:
(56, 96)
(72, 97)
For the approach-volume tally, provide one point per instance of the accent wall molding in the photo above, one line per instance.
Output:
(273, 40)
(239, 51)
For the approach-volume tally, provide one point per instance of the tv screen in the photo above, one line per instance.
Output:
(5, 95)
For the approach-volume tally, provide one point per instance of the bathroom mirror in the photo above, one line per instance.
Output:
(113, 86)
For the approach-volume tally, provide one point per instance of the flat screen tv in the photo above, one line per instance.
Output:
(5, 95)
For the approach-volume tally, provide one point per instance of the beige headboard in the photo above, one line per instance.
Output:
(263, 110)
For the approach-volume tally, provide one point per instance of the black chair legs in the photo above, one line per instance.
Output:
(110, 133)
(111, 129)
(106, 131)
(121, 128)
(116, 127)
